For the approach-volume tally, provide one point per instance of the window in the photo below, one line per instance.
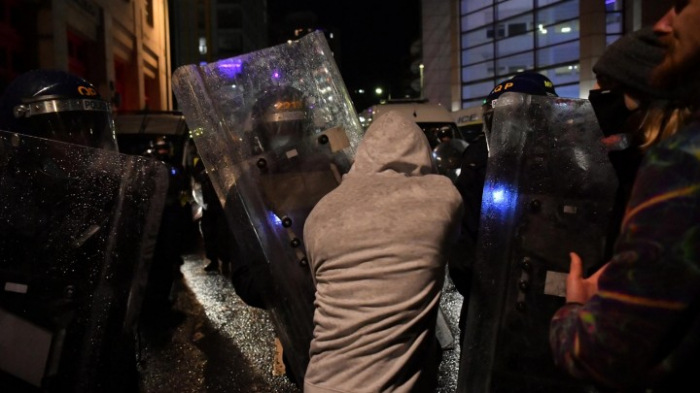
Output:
(514, 64)
(516, 29)
(477, 19)
(556, 34)
(567, 10)
(468, 6)
(478, 54)
(503, 37)
(480, 90)
(149, 12)
(510, 8)
(515, 44)
(558, 54)
(477, 37)
(478, 71)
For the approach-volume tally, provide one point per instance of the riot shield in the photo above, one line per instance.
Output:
(268, 187)
(549, 190)
(77, 231)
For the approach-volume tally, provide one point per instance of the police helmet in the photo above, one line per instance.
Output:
(57, 105)
(514, 85)
(162, 148)
(540, 79)
(281, 117)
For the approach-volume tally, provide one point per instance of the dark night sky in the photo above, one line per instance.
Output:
(376, 36)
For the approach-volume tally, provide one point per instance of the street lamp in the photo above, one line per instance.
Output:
(421, 67)
(379, 91)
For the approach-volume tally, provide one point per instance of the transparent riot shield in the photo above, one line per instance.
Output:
(267, 177)
(77, 231)
(549, 190)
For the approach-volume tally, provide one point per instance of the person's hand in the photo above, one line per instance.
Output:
(579, 289)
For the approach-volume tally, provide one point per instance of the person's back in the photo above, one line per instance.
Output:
(377, 250)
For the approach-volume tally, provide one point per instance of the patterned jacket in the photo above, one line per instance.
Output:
(642, 329)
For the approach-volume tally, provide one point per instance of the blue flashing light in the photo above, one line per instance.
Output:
(275, 220)
(173, 171)
(499, 198)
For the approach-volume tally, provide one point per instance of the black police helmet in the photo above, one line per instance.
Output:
(281, 117)
(162, 148)
(540, 79)
(57, 105)
(514, 85)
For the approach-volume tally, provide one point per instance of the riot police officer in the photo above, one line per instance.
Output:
(470, 183)
(295, 171)
(57, 105)
(74, 224)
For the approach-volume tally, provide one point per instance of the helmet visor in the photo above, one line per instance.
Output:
(84, 122)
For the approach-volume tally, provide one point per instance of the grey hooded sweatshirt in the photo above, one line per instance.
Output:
(377, 246)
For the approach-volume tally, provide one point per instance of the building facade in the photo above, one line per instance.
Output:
(121, 46)
(491, 40)
(211, 30)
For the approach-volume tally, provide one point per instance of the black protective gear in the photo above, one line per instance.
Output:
(162, 148)
(281, 117)
(57, 105)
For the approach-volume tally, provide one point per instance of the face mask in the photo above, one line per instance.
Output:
(610, 109)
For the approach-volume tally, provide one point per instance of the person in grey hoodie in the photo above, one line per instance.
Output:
(377, 246)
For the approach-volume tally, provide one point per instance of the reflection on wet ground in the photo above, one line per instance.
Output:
(216, 343)
(222, 345)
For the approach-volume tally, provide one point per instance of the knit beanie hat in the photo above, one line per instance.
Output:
(630, 60)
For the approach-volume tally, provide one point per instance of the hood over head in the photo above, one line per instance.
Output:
(393, 143)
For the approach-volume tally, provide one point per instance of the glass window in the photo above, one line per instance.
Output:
(542, 3)
(473, 102)
(498, 32)
(510, 8)
(613, 23)
(477, 19)
(514, 45)
(563, 75)
(477, 55)
(515, 64)
(563, 53)
(613, 5)
(556, 34)
(478, 71)
(473, 5)
(518, 25)
(477, 90)
(149, 12)
(568, 91)
(558, 13)
(477, 37)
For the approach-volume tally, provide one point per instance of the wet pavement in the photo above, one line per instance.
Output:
(216, 343)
